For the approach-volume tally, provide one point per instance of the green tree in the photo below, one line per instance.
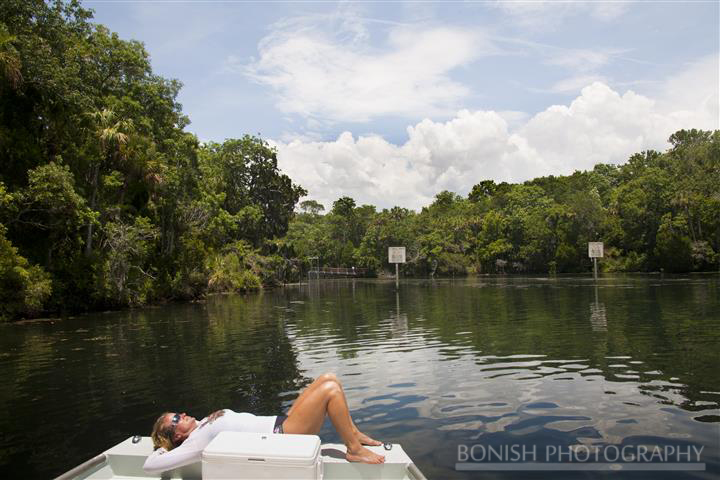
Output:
(389, 228)
(639, 204)
(125, 276)
(482, 191)
(24, 288)
(48, 214)
(673, 246)
(245, 171)
(112, 134)
(312, 207)
(10, 64)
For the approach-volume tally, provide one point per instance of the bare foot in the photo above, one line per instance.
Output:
(364, 455)
(365, 440)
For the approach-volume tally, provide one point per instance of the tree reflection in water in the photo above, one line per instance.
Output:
(494, 360)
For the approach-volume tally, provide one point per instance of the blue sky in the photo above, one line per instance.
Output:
(392, 102)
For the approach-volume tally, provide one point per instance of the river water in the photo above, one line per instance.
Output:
(447, 368)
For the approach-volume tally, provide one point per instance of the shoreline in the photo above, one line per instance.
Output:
(382, 278)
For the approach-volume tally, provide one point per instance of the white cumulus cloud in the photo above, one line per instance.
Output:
(600, 125)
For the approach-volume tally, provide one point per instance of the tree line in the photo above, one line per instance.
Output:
(107, 201)
(657, 212)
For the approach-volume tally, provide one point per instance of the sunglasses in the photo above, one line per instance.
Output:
(173, 423)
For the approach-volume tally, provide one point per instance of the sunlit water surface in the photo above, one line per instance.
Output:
(489, 361)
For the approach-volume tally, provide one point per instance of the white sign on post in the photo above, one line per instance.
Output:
(396, 254)
(595, 249)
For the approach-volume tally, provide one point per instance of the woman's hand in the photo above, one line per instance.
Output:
(215, 415)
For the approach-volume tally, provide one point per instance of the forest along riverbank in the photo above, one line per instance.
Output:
(107, 200)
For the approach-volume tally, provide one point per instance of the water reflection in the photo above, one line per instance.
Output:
(498, 360)
(518, 362)
(598, 318)
(400, 321)
(81, 385)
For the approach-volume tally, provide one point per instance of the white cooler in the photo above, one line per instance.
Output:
(239, 455)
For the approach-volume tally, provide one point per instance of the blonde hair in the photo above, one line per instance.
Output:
(161, 434)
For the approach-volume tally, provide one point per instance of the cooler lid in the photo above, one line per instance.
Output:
(274, 448)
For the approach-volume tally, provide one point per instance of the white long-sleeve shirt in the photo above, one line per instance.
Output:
(191, 449)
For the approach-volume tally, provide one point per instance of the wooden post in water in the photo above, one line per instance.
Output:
(397, 277)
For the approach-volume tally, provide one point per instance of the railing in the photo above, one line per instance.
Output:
(415, 472)
(83, 467)
(338, 271)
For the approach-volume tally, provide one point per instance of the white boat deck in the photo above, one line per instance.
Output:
(124, 461)
(335, 465)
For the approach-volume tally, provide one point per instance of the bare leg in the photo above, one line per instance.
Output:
(319, 381)
(308, 413)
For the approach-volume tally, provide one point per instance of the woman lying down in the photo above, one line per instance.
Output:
(179, 439)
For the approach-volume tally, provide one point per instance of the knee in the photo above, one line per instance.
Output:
(328, 377)
(330, 388)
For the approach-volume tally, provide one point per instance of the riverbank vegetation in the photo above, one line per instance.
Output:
(107, 201)
(658, 211)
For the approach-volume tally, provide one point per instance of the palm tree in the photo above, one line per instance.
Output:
(10, 64)
(113, 135)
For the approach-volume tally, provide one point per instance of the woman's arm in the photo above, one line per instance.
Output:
(161, 460)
